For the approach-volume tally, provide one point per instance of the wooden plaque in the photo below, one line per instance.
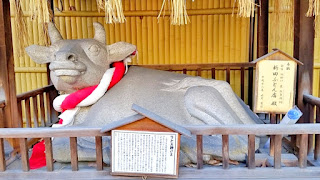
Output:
(275, 86)
(145, 153)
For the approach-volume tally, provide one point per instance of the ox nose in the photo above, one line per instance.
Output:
(69, 56)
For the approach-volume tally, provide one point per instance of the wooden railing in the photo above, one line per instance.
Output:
(225, 130)
(38, 104)
(313, 103)
(278, 130)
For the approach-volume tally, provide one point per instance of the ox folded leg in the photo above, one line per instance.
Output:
(208, 105)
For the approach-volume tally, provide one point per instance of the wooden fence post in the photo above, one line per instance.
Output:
(7, 76)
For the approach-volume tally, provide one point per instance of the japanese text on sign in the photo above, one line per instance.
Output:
(275, 86)
(144, 152)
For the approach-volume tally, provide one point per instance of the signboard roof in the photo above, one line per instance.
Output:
(142, 113)
(278, 51)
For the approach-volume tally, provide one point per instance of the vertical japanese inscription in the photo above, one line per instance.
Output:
(144, 152)
(275, 86)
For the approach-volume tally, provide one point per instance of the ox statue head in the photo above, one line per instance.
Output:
(76, 64)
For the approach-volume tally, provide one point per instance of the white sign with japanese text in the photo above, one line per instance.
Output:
(144, 152)
(275, 86)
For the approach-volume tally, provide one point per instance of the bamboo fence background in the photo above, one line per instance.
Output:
(214, 35)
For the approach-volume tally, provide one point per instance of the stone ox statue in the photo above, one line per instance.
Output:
(182, 99)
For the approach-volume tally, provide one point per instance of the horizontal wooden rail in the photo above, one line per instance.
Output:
(190, 67)
(35, 92)
(257, 129)
(49, 132)
(315, 101)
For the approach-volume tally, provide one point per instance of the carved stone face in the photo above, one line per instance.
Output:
(76, 64)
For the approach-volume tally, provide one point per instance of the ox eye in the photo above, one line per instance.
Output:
(94, 49)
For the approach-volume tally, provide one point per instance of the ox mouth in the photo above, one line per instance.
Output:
(67, 72)
(67, 75)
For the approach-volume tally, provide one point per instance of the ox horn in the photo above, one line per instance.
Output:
(54, 34)
(100, 33)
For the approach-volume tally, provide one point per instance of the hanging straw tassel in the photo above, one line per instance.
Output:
(41, 12)
(20, 26)
(179, 14)
(314, 8)
(100, 5)
(113, 10)
(246, 8)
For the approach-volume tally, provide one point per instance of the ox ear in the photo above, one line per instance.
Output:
(120, 50)
(39, 54)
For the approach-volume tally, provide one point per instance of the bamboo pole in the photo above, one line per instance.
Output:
(84, 27)
(177, 44)
(188, 37)
(128, 22)
(133, 29)
(122, 28)
(221, 45)
(172, 44)
(62, 23)
(155, 27)
(183, 44)
(194, 35)
(210, 34)
(94, 9)
(149, 34)
(117, 32)
(161, 41)
(89, 20)
(78, 20)
(67, 21)
(199, 34)
(167, 40)
(139, 33)
(144, 30)
(73, 23)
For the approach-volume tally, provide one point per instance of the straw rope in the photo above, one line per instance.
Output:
(179, 15)
(246, 8)
(314, 8)
(113, 10)
(20, 26)
(41, 12)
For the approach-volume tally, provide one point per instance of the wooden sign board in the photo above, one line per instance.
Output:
(145, 153)
(275, 86)
(145, 144)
